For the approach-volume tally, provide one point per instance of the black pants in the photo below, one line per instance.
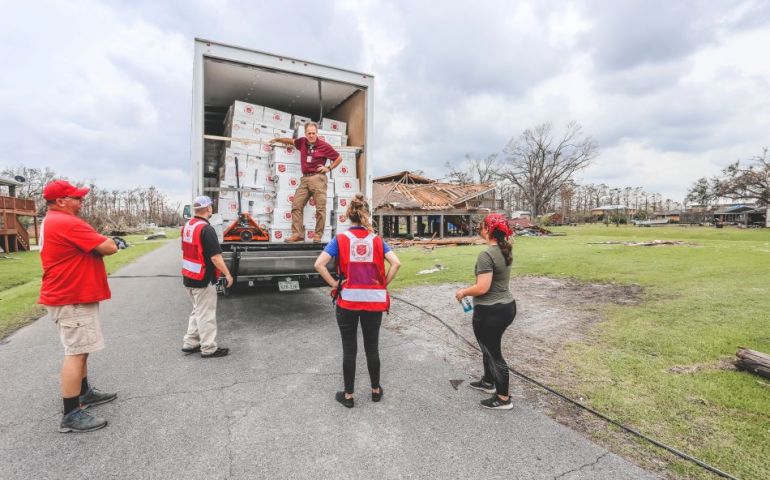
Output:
(370, 327)
(489, 323)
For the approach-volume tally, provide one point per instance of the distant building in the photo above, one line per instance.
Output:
(408, 204)
(672, 216)
(13, 233)
(599, 213)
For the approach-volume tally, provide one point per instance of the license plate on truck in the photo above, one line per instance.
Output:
(288, 286)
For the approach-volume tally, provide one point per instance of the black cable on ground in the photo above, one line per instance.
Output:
(604, 417)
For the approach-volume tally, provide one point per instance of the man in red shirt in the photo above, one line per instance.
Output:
(74, 282)
(314, 153)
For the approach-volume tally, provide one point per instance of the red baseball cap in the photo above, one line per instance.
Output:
(63, 188)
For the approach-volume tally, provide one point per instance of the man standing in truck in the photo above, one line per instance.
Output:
(314, 153)
(201, 264)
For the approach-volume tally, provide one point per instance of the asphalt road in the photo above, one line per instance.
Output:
(267, 410)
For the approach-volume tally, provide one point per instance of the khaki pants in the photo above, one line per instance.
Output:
(79, 328)
(311, 186)
(202, 327)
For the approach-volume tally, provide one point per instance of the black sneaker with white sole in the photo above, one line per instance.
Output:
(496, 403)
(485, 387)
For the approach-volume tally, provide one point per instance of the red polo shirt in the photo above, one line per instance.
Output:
(72, 272)
(321, 152)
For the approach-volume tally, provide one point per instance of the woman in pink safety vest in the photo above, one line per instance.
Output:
(361, 293)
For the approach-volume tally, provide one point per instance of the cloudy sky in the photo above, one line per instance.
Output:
(670, 90)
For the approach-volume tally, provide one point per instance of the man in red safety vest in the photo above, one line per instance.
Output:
(201, 264)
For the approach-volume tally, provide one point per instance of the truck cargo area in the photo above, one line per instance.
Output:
(225, 76)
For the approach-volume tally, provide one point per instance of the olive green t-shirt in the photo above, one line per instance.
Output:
(492, 260)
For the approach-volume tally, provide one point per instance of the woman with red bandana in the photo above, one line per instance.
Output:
(494, 309)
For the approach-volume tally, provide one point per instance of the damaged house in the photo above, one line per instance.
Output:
(408, 204)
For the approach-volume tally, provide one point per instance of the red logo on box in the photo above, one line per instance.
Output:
(291, 199)
(335, 126)
(276, 116)
(312, 202)
(342, 218)
(347, 185)
(290, 150)
(278, 234)
(293, 182)
(281, 168)
(248, 109)
(310, 234)
(343, 202)
(266, 147)
(287, 215)
(344, 169)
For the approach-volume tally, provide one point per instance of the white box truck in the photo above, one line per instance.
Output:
(223, 74)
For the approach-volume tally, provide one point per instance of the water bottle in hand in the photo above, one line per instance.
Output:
(466, 304)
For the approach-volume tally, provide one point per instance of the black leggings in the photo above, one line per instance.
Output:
(489, 323)
(370, 327)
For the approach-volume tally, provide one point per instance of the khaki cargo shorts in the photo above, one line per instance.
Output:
(79, 327)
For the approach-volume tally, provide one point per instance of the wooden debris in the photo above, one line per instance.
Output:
(654, 243)
(753, 361)
(432, 243)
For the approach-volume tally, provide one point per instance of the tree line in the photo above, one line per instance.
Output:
(106, 210)
(536, 174)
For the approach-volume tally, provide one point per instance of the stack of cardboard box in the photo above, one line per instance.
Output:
(267, 177)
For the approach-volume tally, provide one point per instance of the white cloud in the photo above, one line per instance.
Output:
(672, 92)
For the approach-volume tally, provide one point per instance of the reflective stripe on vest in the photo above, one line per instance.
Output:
(364, 295)
(191, 266)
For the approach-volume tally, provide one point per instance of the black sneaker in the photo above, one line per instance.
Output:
(219, 352)
(485, 387)
(340, 397)
(496, 403)
(95, 397)
(376, 397)
(191, 349)
(79, 421)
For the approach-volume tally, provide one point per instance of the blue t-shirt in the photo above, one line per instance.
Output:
(334, 250)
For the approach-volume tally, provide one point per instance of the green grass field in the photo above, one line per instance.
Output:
(702, 302)
(20, 280)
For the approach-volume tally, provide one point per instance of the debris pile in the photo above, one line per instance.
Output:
(654, 243)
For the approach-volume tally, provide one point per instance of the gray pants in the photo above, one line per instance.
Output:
(202, 327)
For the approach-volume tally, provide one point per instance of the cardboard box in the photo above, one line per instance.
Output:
(298, 123)
(228, 178)
(281, 154)
(248, 146)
(227, 205)
(348, 154)
(282, 217)
(332, 138)
(341, 204)
(245, 112)
(345, 170)
(326, 237)
(279, 235)
(243, 130)
(341, 220)
(286, 182)
(346, 187)
(276, 118)
(335, 126)
(284, 199)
